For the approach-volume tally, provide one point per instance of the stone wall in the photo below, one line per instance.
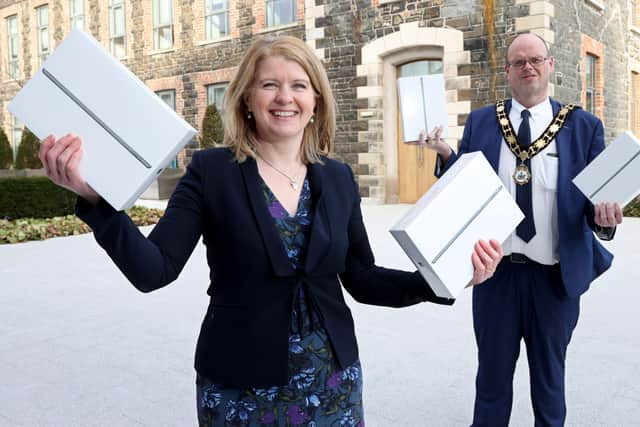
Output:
(354, 38)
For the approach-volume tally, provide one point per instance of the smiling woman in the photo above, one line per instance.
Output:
(284, 234)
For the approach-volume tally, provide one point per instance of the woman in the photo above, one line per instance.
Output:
(283, 229)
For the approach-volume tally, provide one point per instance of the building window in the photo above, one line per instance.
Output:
(421, 68)
(42, 22)
(215, 95)
(13, 48)
(591, 63)
(280, 12)
(16, 135)
(117, 28)
(635, 104)
(162, 24)
(76, 13)
(169, 97)
(216, 19)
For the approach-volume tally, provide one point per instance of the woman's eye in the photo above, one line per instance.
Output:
(299, 86)
(268, 85)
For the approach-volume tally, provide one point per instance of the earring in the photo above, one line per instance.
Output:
(312, 119)
(249, 115)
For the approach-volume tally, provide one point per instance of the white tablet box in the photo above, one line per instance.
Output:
(614, 175)
(468, 203)
(423, 105)
(130, 135)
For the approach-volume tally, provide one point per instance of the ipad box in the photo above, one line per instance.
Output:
(423, 105)
(129, 134)
(468, 203)
(614, 175)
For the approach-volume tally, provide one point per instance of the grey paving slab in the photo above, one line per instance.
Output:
(79, 346)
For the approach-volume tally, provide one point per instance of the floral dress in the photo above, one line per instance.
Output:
(318, 394)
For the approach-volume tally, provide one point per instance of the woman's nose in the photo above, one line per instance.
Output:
(284, 95)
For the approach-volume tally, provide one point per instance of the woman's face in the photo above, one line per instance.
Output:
(281, 100)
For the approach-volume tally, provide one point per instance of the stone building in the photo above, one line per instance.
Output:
(186, 51)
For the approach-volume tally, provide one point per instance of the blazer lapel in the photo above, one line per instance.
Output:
(565, 153)
(273, 244)
(320, 235)
(494, 140)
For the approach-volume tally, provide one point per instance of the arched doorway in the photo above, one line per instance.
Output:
(415, 163)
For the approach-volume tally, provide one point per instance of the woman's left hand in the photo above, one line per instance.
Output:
(485, 259)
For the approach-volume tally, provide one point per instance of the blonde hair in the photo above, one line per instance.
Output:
(240, 131)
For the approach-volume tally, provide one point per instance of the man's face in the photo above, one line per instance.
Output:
(528, 69)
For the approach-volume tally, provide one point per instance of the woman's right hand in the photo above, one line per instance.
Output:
(61, 160)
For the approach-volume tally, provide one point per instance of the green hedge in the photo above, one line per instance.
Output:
(33, 197)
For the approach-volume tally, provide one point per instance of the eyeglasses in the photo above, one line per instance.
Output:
(536, 61)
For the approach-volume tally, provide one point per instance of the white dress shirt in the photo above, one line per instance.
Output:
(543, 247)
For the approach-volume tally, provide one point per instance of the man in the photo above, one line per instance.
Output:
(553, 256)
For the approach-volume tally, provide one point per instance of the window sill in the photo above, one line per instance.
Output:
(595, 4)
(161, 52)
(278, 28)
(215, 41)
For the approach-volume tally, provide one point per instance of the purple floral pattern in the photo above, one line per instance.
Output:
(318, 393)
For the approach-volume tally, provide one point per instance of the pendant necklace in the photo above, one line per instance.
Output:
(293, 179)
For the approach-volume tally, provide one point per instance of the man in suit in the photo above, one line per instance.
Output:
(553, 256)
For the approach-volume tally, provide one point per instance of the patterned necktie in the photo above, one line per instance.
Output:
(527, 228)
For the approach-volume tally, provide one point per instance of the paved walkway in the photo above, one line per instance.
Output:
(79, 346)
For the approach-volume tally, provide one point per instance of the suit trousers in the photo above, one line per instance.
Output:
(522, 301)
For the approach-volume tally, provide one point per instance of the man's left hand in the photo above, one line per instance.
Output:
(608, 214)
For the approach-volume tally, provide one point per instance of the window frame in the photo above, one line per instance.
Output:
(270, 9)
(114, 6)
(591, 70)
(42, 31)
(211, 89)
(74, 16)
(174, 162)
(13, 39)
(159, 26)
(209, 16)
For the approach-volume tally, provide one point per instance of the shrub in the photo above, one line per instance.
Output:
(27, 157)
(212, 128)
(633, 208)
(6, 153)
(25, 229)
(33, 197)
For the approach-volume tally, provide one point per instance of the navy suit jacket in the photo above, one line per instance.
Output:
(582, 257)
(243, 340)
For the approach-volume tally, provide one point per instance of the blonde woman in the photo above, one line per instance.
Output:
(283, 230)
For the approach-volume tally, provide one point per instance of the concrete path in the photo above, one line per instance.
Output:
(79, 346)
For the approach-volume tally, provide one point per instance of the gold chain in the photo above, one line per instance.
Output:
(539, 144)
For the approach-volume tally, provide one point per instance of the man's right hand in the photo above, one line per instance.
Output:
(435, 142)
(61, 160)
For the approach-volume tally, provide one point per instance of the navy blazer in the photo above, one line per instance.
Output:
(243, 340)
(582, 257)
